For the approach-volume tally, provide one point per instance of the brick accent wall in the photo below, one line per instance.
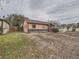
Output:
(26, 26)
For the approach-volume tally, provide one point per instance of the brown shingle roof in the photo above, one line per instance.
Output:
(36, 21)
(4, 21)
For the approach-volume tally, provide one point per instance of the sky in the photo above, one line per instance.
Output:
(64, 11)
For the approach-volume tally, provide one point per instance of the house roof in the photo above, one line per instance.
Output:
(36, 22)
(4, 20)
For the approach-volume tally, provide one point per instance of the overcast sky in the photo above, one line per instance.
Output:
(65, 11)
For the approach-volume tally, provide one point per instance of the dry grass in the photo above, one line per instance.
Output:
(38, 46)
(16, 46)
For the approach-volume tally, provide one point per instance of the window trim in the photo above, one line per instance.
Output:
(33, 26)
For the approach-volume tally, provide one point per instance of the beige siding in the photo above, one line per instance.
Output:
(0, 23)
(5, 27)
(38, 26)
(77, 29)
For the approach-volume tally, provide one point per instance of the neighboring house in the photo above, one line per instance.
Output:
(4, 26)
(69, 27)
(35, 26)
(63, 28)
(77, 27)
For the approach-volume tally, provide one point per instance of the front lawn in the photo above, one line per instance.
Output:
(15, 46)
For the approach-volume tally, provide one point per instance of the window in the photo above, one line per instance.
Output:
(33, 26)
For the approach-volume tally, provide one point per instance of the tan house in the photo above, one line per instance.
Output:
(35, 26)
(4, 26)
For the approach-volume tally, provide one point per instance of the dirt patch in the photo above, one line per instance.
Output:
(74, 34)
(55, 46)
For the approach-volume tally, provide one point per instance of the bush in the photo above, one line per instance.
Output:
(55, 30)
(73, 30)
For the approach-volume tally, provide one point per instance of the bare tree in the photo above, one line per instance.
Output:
(15, 20)
(55, 23)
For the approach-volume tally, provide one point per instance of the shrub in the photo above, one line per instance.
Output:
(73, 30)
(55, 30)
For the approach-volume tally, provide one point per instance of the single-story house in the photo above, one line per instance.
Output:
(69, 27)
(35, 26)
(4, 26)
